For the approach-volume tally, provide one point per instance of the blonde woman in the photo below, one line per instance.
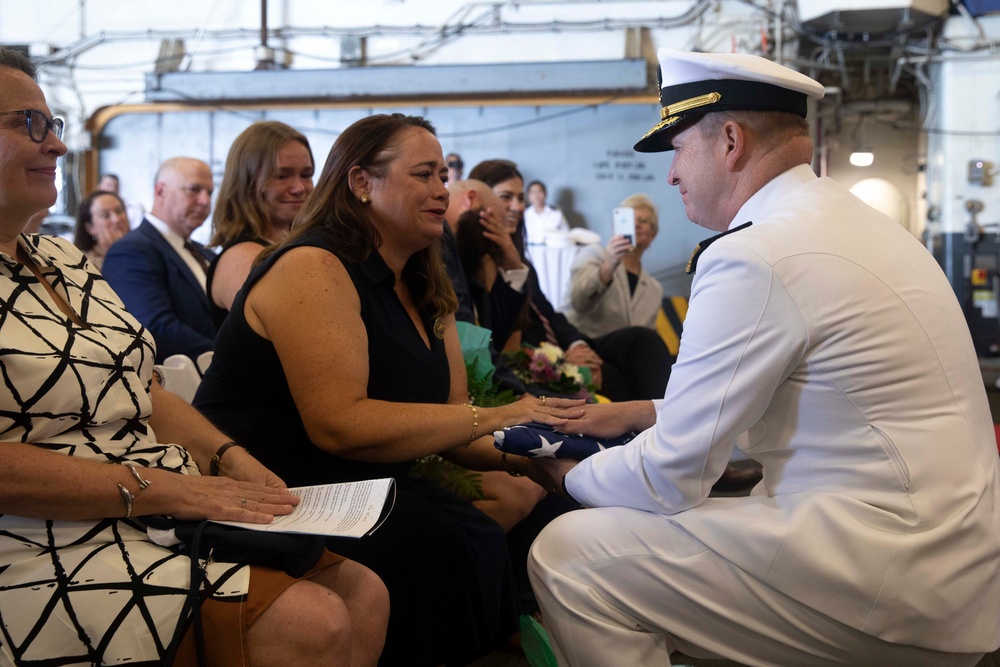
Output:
(610, 289)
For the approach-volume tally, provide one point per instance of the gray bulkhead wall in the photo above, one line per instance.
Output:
(583, 153)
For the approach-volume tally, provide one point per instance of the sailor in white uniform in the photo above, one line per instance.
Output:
(826, 340)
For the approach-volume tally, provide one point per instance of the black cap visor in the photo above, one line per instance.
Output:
(685, 102)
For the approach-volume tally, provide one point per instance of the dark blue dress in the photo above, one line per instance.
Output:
(444, 562)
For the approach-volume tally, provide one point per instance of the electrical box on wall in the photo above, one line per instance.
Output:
(980, 172)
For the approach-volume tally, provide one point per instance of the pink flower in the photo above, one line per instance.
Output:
(541, 369)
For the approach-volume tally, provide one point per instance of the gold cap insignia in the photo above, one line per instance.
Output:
(666, 122)
(688, 104)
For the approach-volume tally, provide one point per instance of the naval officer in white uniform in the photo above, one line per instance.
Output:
(826, 333)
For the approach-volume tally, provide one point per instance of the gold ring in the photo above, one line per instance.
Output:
(543, 399)
(243, 503)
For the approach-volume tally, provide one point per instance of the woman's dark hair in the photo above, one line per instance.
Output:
(539, 184)
(370, 143)
(472, 244)
(493, 172)
(14, 59)
(82, 238)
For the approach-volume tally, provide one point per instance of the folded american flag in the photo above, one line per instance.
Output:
(538, 440)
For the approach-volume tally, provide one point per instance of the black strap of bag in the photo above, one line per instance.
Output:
(192, 605)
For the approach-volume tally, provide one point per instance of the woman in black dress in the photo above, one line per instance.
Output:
(269, 174)
(340, 360)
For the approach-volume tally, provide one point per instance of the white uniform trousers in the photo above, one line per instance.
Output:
(623, 587)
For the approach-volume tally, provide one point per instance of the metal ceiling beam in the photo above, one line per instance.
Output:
(423, 82)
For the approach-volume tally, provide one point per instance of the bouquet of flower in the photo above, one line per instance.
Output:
(546, 366)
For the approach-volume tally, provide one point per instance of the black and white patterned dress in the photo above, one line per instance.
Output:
(83, 592)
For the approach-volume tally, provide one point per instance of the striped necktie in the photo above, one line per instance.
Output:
(550, 334)
(199, 257)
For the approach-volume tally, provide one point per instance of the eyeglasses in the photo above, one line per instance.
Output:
(455, 164)
(39, 124)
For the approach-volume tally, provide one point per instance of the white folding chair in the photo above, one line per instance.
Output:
(203, 361)
(179, 375)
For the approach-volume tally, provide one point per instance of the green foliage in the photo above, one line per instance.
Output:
(484, 392)
(463, 482)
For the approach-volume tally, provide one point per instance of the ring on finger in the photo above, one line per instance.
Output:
(243, 503)
(543, 399)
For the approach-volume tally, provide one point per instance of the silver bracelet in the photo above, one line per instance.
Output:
(127, 498)
(143, 483)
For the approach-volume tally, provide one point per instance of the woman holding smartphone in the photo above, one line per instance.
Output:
(610, 289)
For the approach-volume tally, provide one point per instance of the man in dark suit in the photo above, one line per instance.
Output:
(159, 272)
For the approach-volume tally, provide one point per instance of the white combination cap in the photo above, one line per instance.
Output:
(693, 84)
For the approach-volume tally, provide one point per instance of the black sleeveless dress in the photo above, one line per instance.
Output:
(219, 314)
(444, 562)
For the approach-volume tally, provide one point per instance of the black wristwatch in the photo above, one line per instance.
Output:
(213, 465)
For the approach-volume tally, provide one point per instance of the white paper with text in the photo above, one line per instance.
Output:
(351, 509)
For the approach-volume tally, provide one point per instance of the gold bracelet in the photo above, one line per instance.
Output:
(503, 462)
(475, 423)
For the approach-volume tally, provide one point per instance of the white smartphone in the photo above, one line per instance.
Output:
(623, 223)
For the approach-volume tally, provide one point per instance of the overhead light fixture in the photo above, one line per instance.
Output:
(861, 156)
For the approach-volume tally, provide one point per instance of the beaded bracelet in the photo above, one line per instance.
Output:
(475, 423)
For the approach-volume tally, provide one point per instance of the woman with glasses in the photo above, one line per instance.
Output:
(269, 174)
(100, 221)
(80, 581)
(37, 124)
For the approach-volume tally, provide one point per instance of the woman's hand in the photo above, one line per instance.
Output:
(240, 465)
(196, 497)
(495, 230)
(618, 247)
(543, 410)
(583, 355)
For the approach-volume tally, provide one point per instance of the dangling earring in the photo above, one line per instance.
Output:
(364, 199)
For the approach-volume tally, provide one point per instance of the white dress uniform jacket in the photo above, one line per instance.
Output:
(831, 335)
(597, 309)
